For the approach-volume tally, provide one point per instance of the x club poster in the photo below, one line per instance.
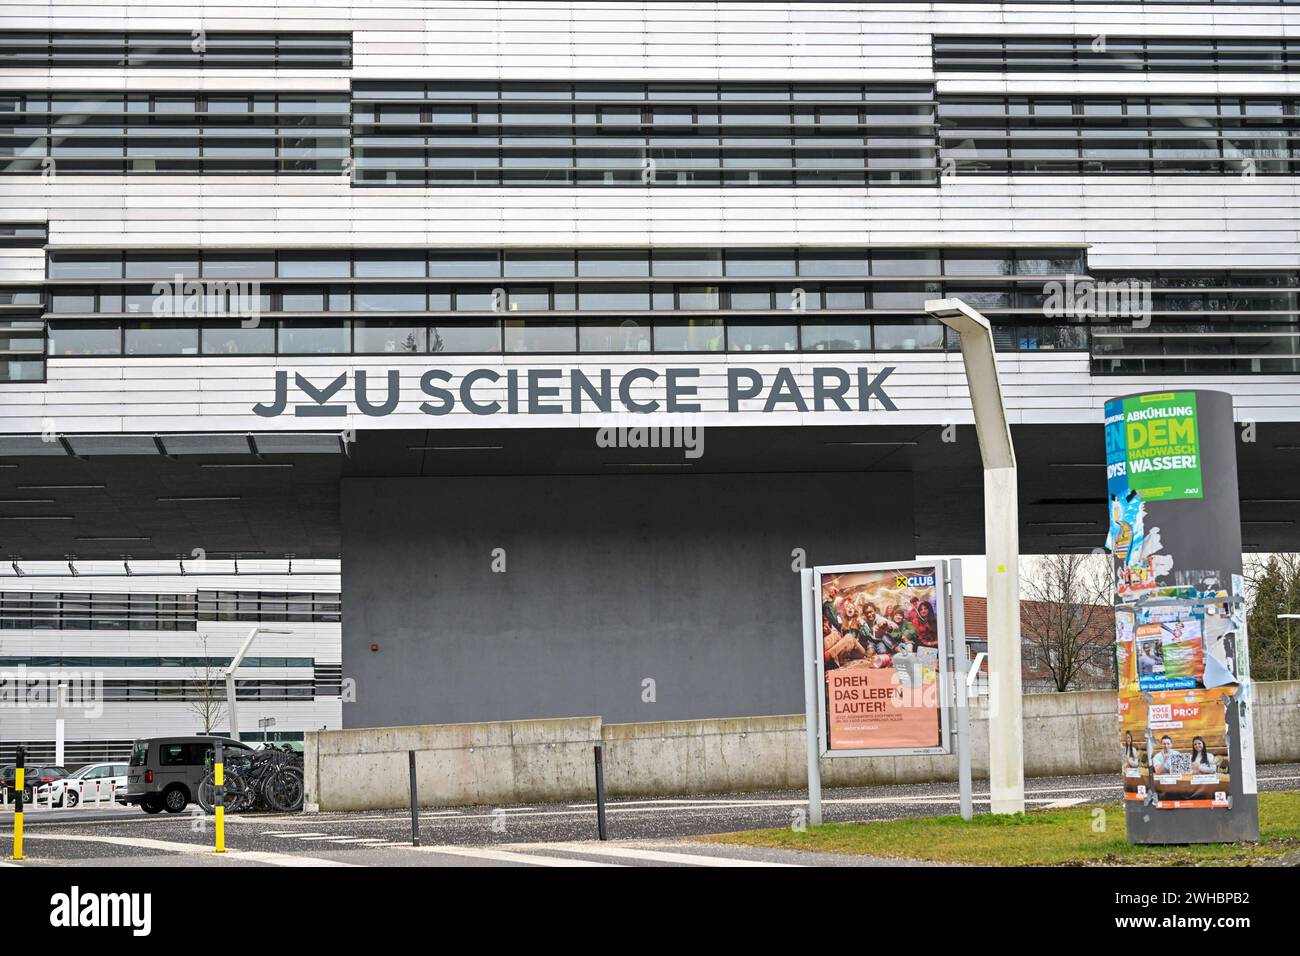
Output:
(882, 647)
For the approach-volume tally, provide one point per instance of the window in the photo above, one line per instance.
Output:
(217, 265)
(386, 265)
(745, 263)
(833, 263)
(389, 299)
(537, 265)
(689, 335)
(609, 264)
(762, 336)
(85, 265)
(312, 337)
(619, 298)
(687, 262)
(162, 338)
(465, 338)
(309, 265)
(140, 265)
(380, 336)
(84, 338)
(830, 335)
(614, 335)
(539, 335)
(72, 300)
(232, 338)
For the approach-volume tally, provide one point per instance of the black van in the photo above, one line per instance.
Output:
(165, 772)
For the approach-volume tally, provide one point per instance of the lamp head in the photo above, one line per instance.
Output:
(957, 315)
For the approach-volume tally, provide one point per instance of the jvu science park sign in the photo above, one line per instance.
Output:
(560, 391)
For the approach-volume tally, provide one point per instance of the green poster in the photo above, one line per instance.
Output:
(1161, 444)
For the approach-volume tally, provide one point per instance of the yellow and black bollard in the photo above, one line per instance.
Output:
(219, 784)
(19, 781)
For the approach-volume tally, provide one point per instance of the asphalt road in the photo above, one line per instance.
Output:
(644, 832)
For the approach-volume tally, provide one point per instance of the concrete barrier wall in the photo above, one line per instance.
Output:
(536, 760)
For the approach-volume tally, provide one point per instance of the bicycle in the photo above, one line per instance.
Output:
(270, 779)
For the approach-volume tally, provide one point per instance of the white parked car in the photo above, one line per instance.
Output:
(96, 782)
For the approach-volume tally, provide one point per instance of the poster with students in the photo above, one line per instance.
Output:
(884, 644)
(1187, 736)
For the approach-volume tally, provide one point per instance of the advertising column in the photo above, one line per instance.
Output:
(1185, 733)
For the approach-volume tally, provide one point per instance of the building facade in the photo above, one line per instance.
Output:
(575, 327)
(143, 654)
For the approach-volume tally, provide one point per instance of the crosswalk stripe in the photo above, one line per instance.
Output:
(659, 856)
(170, 846)
(508, 856)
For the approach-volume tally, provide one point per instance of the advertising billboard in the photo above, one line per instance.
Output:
(1188, 737)
(882, 667)
(1180, 643)
(1153, 446)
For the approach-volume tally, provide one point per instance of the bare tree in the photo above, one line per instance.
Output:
(207, 698)
(1066, 615)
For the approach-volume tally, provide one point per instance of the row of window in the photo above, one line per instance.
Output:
(624, 298)
(1120, 135)
(1268, 331)
(191, 690)
(421, 140)
(175, 49)
(178, 133)
(372, 333)
(21, 610)
(642, 133)
(1201, 365)
(615, 334)
(1107, 52)
(474, 264)
(71, 660)
(317, 607)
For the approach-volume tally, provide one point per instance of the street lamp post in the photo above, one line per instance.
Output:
(231, 701)
(1001, 548)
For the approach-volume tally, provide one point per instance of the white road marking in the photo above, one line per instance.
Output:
(657, 856)
(508, 856)
(1062, 804)
(170, 846)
